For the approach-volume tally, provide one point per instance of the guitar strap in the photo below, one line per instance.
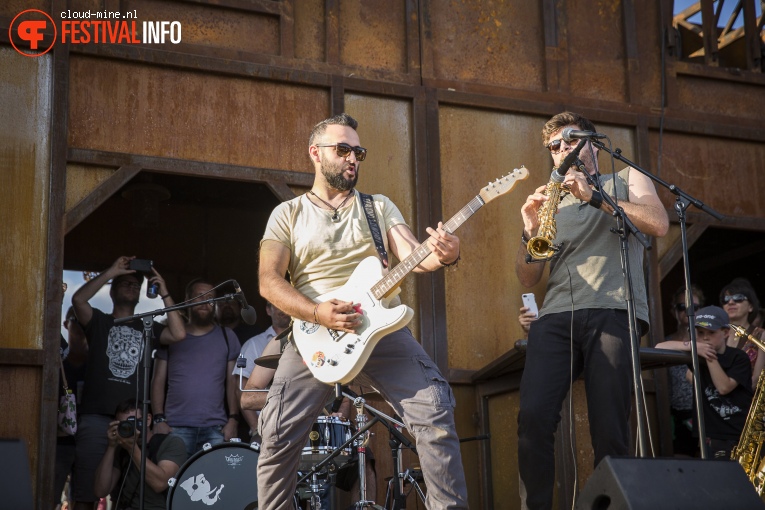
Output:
(369, 209)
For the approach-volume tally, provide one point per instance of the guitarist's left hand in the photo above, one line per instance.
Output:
(338, 315)
(443, 244)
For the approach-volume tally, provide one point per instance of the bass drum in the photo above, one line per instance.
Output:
(222, 476)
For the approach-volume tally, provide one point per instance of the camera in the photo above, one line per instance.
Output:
(127, 428)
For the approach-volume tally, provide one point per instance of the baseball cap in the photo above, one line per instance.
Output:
(712, 318)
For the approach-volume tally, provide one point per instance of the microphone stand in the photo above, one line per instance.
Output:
(682, 202)
(148, 320)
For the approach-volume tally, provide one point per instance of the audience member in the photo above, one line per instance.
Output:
(228, 314)
(726, 380)
(253, 349)
(118, 472)
(740, 302)
(74, 354)
(114, 366)
(681, 389)
(526, 317)
(197, 373)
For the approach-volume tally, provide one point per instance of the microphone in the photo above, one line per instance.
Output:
(249, 315)
(572, 157)
(575, 134)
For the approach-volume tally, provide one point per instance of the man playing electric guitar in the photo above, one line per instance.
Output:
(320, 238)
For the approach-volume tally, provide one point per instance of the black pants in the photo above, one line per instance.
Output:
(601, 352)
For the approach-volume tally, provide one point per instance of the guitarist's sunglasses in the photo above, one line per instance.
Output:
(343, 149)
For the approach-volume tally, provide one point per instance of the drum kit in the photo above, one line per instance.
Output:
(223, 476)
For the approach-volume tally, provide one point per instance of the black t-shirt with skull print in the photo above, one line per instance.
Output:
(115, 363)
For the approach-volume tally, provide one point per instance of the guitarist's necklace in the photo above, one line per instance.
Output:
(335, 216)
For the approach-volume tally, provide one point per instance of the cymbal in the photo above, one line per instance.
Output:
(270, 361)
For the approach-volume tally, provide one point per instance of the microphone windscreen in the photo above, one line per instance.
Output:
(249, 315)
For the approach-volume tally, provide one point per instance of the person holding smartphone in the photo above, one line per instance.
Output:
(585, 295)
(114, 366)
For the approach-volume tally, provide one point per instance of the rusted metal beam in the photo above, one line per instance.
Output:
(98, 196)
(675, 253)
(709, 29)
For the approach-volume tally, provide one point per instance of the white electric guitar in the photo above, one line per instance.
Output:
(336, 356)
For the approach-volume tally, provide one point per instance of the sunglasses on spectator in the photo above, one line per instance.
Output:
(680, 307)
(736, 298)
(343, 150)
(555, 146)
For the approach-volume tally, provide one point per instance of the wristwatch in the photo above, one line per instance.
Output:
(159, 418)
(235, 417)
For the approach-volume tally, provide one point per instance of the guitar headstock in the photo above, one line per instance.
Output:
(503, 185)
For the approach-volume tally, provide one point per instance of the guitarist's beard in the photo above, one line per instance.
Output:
(335, 177)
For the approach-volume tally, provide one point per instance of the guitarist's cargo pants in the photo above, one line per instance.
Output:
(408, 380)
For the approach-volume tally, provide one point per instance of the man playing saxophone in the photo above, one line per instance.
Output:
(582, 326)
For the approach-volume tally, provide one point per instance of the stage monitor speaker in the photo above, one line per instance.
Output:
(653, 484)
(15, 478)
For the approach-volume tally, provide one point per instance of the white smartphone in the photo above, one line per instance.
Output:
(530, 302)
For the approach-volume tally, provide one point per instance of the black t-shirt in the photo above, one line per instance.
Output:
(115, 363)
(725, 415)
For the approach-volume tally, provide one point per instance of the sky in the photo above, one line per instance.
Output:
(681, 5)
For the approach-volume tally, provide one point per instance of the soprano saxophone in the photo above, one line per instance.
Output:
(541, 247)
(748, 452)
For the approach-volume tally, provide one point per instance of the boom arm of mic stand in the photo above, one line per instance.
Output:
(671, 187)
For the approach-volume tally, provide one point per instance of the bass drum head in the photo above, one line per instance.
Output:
(223, 476)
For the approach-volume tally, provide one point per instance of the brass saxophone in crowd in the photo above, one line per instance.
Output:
(748, 452)
(541, 247)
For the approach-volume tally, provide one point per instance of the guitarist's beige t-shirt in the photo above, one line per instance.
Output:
(324, 253)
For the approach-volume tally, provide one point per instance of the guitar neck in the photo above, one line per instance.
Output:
(393, 279)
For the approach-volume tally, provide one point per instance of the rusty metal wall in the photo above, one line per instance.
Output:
(450, 95)
(25, 111)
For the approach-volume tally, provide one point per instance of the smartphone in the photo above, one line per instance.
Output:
(530, 302)
(141, 265)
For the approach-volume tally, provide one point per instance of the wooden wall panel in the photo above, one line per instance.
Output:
(470, 450)
(133, 108)
(310, 37)
(82, 180)
(482, 293)
(595, 49)
(20, 404)
(719, 97)
(725, 174)
(503, 426)
(214, 26)
(386, 130)
(11, 8)
(648, 64)
(373, 34)
(25, 177)
(498, 43)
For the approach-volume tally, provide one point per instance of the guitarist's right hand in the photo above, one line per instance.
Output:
(339, 315)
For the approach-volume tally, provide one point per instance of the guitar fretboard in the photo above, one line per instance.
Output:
(397, 274)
